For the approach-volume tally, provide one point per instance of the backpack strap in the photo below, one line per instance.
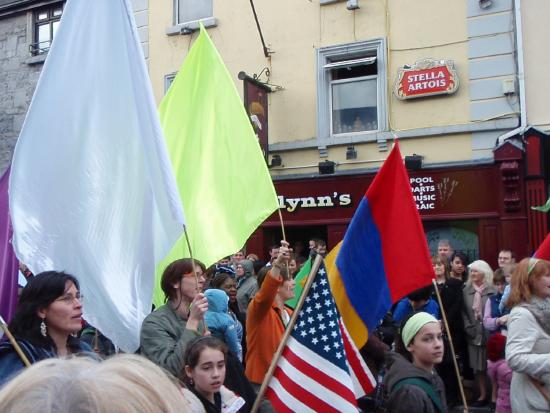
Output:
(424, 385)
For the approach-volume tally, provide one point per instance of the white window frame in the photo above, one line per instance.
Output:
(186, 28)
(324, 89)
(177, 13)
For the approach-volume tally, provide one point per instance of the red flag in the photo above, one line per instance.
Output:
(320, 369)
(543, 252)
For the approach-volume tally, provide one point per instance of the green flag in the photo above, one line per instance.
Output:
(222, 176)
(542, 208)
(300, 279)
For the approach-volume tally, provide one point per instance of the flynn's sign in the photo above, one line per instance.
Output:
(426, 77)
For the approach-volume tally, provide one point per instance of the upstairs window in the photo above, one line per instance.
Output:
(46, 22)
(351, 90)
(192, 10)
(353, 94)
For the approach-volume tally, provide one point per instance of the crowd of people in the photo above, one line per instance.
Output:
(209, 347)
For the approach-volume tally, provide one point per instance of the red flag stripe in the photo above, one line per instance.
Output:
(302, 394)
(317, 375)
(277, 404)
(318, 389)
(357, 364)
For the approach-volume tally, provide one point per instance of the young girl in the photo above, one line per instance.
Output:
(499, 372)
(204, 374)
(412, 383)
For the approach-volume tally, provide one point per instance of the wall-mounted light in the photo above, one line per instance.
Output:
(187, 30)
(352, 4)
(485, 4)
(326, 167)
(351, 153)
(413, 162)
(276, 160)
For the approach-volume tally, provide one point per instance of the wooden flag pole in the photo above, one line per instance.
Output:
(194, 270)
(191, 256)
(455, 364)
(14, 343)
(284, 235)
(288, 331)
(282, 224)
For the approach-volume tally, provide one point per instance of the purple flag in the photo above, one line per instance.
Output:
(9, 265)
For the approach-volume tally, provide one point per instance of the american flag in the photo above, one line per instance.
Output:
(320, 369)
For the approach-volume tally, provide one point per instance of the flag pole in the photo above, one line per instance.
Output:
(282, 224)
(191, 256)
(14, 343)
(194, 270)
(455, 364)
(283, 230)
(288, 331)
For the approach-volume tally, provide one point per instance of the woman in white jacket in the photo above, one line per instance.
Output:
(528, 344)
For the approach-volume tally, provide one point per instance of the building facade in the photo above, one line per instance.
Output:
(333, 82)
(330, 83)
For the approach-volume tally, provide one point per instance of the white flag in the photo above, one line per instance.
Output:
(92, 191)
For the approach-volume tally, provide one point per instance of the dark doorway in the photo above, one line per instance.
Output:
(297, 236)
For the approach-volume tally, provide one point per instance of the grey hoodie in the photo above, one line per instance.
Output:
(410, 398)
(247, 286)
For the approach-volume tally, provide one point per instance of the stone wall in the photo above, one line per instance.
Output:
(17, 82)
(19, 73)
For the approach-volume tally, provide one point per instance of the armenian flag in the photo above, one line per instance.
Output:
(384, 254)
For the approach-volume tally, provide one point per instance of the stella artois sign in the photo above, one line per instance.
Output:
(426, 77)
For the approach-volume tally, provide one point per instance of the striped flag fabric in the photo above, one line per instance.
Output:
(367, 271)
(320, 368)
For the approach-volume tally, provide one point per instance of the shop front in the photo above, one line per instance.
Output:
(467, 205)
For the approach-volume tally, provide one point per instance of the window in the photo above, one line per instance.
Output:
(192, 10)
(351, 89)
(46, 22)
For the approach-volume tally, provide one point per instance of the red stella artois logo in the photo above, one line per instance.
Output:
(426, 77)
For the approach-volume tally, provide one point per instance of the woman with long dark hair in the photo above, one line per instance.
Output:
(459, 264)
(49, 312)
(450, 290)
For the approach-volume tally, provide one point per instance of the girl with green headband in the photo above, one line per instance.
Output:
(412, 382)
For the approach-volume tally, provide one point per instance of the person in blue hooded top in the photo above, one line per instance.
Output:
(220, 323)
(418, 300)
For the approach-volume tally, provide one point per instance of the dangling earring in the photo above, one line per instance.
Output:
(191, 382)
(43, 328)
